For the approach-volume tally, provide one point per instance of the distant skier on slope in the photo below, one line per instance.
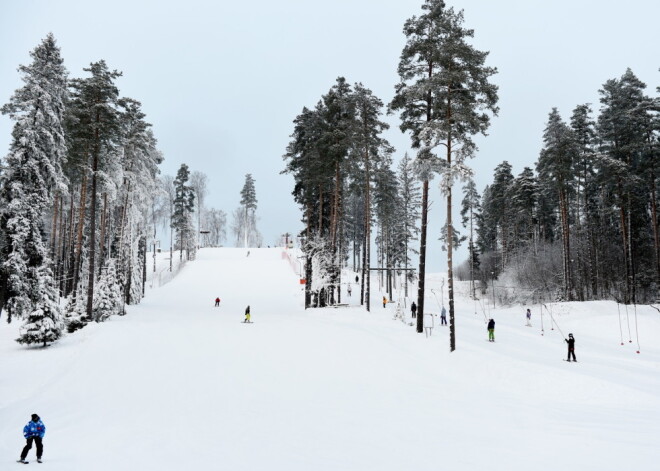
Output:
(384, 301)
(413, 310)
(34, 431)
(571, 347)
(349, 290)
(217, 302)
(529, 318)
(443, 316)
(491, 330)
(247, 315)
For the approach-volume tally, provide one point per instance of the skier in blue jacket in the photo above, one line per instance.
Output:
(34, 431)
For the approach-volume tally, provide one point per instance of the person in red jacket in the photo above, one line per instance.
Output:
(217, 302)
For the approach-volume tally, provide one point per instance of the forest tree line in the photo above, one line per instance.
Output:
(583, 223)
(82, 200)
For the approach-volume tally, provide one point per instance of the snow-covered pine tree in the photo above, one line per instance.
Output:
(248, 208)
(411, 200)
(370, 150)
(107, 299)
(445, 97)
(184, 205)
(470, 211)
(44, 324)
(32, 174)
(555, 168)
(95, 110)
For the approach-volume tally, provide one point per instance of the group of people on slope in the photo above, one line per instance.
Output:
(247, 311)
(443, 313)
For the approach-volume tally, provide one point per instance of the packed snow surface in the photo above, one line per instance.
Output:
(180, 384)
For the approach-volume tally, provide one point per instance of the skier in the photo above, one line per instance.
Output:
(248, 254)
(529, 318)
(247, 315)
(217, 302)
(413, 310)
(491, 330)
(356, 278)
(443, 316)
(571, 347)
(384, 301)
(34, 431)
(349, 291)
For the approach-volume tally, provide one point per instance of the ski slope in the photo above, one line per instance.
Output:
(180, 384)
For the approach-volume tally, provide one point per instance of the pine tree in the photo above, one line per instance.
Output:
(44, 324)
(183, 205)
(32, 175)
(555, 168)
(107, 299)
(95, 108)
(370, 150)
(445, 98)
(248, 208)
(470, 210)
(411, 200)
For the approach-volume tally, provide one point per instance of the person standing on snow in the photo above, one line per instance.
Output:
(217, 302)
(529, 318)
(413, 310)
(349, 291)
(491, 330)
(571, 347)
(384, 301)
(443, 316)
(247, 314)
(34, 431)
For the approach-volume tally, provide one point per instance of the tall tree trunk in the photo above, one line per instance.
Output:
(92, 233)
(53, 234)
(624, 239)
(654, 223)
(104, 217)
(79, 236)
(422, 257)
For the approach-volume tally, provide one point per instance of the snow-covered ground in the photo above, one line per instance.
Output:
(179, 384)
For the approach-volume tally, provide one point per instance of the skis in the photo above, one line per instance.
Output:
(574, 361)
(23, 461)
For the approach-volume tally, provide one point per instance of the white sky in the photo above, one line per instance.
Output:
(222, 81)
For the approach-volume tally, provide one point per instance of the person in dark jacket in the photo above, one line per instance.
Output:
(491, 330)
(247, 315)
(413, 309)
(34, 431)
(571, 347)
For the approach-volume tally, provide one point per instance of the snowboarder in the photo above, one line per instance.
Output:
(413, 310)
(247, 315)
(529, 318)
(443, 316)
(349, 291)
(491, 330)
(384, 301)
(571, 347)
(34, 431)
(217, 302)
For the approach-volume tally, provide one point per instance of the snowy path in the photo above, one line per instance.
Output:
(178, 384)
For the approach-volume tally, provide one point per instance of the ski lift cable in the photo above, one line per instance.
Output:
(618, 307)
(636, 329)
(628, 321)
(552, 319)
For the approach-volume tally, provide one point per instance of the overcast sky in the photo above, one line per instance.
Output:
(222, 81)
